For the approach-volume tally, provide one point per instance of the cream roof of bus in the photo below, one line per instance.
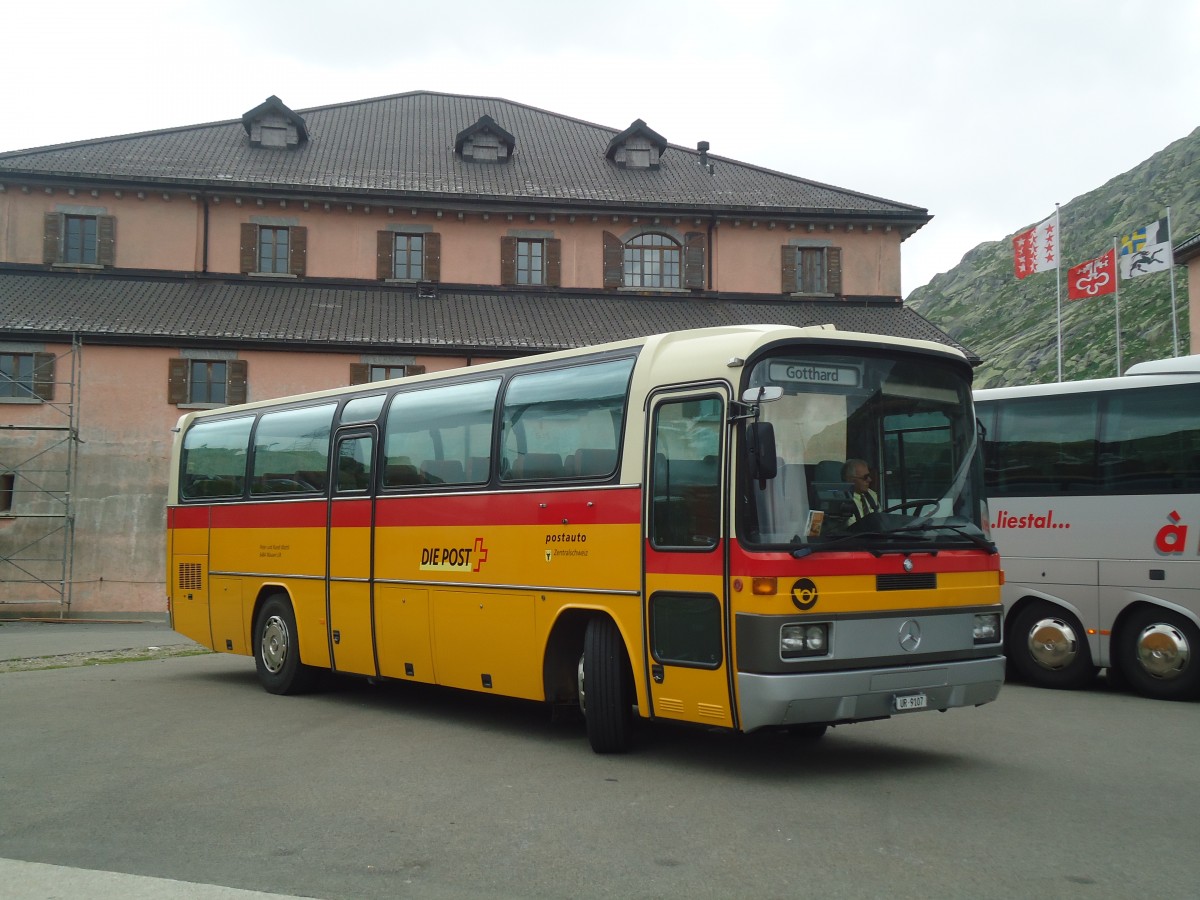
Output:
(695, 354)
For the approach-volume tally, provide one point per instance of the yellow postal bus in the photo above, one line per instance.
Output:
(660, 528)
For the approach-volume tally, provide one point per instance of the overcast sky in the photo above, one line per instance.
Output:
(984, 112)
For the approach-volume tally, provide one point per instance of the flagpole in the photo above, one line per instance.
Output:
(1117, 278)
(1058, 296)
(1174, 317)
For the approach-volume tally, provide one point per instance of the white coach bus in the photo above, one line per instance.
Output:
(1094, 494)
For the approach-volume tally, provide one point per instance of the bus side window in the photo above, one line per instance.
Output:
(447, 427)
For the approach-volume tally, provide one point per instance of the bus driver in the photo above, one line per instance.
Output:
(858, 473)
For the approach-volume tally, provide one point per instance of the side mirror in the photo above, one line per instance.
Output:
(760, 451)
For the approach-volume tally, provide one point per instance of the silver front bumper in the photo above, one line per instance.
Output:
(772, 700)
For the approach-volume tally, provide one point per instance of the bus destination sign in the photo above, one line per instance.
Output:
(796, 371)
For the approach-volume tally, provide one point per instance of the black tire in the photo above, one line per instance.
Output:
(1157, 652)
(606, 688)
(277, 649)
(1047, 646)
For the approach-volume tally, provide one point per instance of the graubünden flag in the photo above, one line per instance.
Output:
(1093, 278)
(1036, 250)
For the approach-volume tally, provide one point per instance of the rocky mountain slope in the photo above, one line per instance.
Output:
(1011, 323)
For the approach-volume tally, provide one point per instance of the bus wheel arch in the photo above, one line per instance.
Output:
(275, 642)
(1048, 646)
(1157, 651)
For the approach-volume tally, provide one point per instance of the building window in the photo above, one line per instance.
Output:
(26, 376)
(80, 243)
(413, 255)
(79, 239)
(408, 256)
(530, 260)
(652, 261)
(812, 270)
(206, 382)
(272, 249)
(361, 373)
(531, 263)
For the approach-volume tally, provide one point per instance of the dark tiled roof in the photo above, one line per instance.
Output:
(123, 308)
(1187, 248)
(402, 147)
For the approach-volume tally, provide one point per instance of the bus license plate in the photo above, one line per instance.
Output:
(910, 701)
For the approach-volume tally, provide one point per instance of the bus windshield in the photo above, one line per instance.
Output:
(868, 449)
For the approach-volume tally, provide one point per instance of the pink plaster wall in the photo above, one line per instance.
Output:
(152, 233)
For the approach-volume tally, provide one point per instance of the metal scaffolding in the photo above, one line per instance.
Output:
(37, 468)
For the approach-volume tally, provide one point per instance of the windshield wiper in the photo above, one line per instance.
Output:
(975, 539)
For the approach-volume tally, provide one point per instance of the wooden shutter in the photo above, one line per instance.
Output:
(693, 260)
(508, 260)
(385, 252)
(360, 373)
(106, 240)
(177, 381)
(297, 250)
(249, 250)
(432, 262)
(614, 261)
(235, 387)
(833, 270)
(789, 269)
(43, 376)
(414, 370)
(52, 238)
(554, 262)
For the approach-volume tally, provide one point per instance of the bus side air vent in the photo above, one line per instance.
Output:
(189, 577)
(921, 581)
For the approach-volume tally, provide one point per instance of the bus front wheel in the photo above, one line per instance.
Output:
(606, 688)
(1047, 647)
(277, 649)
(1158, 654)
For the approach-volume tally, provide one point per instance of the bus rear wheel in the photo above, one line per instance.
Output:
(606, 688)
(1158, 654)
(1048, 647)
(277, 649)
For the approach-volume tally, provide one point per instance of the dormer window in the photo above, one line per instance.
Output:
(485, 142)
(273, 125)
(637, 147)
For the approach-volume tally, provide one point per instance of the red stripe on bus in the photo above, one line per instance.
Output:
(305, 514)
(351, 513)
(685, 563)
(863, 562)
(187, 517)
(578, 508)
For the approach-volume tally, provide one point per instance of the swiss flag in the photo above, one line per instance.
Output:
(1036, 250)
(1093, 278)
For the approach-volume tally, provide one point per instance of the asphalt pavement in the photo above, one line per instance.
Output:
(32, 640)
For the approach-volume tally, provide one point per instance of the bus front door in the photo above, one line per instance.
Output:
(348, 580)
(686, 607)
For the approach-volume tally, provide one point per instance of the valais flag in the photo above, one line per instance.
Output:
(1093, 278)
(1036, 250)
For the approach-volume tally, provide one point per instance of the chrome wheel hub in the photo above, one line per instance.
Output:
(1053, 643)
(1163, 651)
(274, 644)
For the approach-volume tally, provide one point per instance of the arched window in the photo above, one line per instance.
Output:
(653, 261)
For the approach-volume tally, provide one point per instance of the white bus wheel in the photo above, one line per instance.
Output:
(1158, 652)
(1047, 646)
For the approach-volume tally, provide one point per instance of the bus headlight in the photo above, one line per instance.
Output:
(987, 628)
(804, 640)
